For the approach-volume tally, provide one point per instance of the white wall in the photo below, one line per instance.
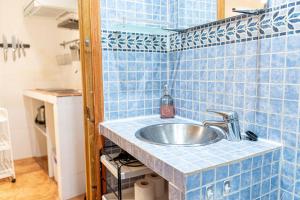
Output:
(37, 70)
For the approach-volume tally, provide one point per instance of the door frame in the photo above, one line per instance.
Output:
(92, 86)
(220, 9)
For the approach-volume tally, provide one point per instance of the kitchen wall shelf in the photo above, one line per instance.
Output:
(7, 168)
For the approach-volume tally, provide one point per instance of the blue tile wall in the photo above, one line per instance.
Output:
(134, 64)
(249, 64)
(253, 178)
(144, 13)
(133, 82)
(185, 14)
(273, 22)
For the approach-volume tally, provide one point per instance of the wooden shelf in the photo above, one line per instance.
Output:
(42, 129)
(126, 172)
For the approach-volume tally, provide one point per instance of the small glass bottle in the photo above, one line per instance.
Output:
(167, 109)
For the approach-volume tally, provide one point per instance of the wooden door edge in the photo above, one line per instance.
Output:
(91, 62)
(220, 9)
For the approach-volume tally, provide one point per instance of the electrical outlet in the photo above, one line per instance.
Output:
(210, 192)
(227, 188)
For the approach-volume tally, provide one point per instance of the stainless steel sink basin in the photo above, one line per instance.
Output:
(179, 134)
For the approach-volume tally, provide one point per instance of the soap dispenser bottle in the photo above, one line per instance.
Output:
(167, 109)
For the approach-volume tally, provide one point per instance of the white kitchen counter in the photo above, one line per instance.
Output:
(47, 96)
(63, 134)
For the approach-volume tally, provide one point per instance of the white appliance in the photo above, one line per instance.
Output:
(50, 8)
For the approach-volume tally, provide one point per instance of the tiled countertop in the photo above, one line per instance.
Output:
(174, 163)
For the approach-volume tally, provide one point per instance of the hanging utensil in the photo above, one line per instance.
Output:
(75, 52)
(14, 47)
(23, 49)
(19, 48)
(5, 47)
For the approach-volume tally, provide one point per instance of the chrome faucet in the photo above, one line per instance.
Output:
(230, 124)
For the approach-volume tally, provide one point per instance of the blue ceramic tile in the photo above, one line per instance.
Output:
(221, 172)
(278, 60)
(265, 45)
(274, 182)
(289, 139)
(267, 159)
(208, 177)
(233, 196)
(292, 76)
(245, 194)
(293, 42)
(297, 188)
(289, 154)
(235, 183)
(266, 171)
(275, 121)
(275, 168)
(276, 155)
(276, 91)
(286, 184)
(277, 75)
(193, 195)
(245, 179)
(278, 44)
(219, 190)
(290, 124)
(255, 191)
(284, 195)
(261, 118)
(234, 169)
(291, 92)
(293, 60)
(265, 187)
(256, 175)
(276, 106)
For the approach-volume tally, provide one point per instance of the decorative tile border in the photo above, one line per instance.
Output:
(273, 22)
(125, 41)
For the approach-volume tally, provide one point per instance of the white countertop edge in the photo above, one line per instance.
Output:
(145, 117)
(44, 96)
(40, 96)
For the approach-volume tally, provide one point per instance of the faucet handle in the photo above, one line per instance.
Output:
(226, 114)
